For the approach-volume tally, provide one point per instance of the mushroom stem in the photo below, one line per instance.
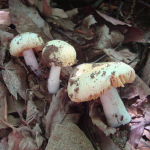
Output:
(53, 80)
(114, 109)
(31, 61)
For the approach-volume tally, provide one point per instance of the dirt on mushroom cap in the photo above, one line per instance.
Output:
(60, 53)
(89, 81)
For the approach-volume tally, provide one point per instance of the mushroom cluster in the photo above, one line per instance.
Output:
(90, 81)
(25, 44)
(58, 54)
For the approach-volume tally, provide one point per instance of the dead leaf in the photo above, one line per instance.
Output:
(96, 119)
(72, 13)
(146, 72)
(32, 112)
(136, 88)
(3, 104)
(21, 138)
(68, 136)
(57, 12)
(4, 144)
(85, 27)
(106, 143)
(19, 105)
(144, 143)
(107, 39)
(27, 19)
(44, 7)
(136, 133)
(128, 146)
(57, 111)
(112, 20)
(4, 17)
(14, 77)
(124, 55)
(66, 24)
(134, 34)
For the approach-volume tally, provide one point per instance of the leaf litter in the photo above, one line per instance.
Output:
(31, 118)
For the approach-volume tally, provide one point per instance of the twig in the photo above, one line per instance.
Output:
(21, 118)
(144, 3)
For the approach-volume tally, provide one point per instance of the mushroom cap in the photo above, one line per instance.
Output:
(25, 41)
(60, 53)
(89, 81)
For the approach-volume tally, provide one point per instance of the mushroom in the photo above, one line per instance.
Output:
(58, 54)
(23, 45)
(90, 81)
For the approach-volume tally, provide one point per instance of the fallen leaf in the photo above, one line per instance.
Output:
(32, 112)
(57, 12)
(72, 13)
(57, 111)
(68, 136)
(107, 39)
(4, 17)
(112, 20)
(144, 143)
(21, 138)
(134, 34)
(66, 24)
(106, 143)
(4, 144)
(136, 133)
(3, 104)
(85, 27)
(14, 77)
(124, 55)
(96, 119)
(136, 88)
(146, 72)
(44, 7)
(27, 19)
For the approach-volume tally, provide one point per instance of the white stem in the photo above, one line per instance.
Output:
(53, 80)
(31, 61)
(114, 109)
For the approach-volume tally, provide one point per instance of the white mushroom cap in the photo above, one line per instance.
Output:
(89, 81)
(25, 41)
(60, 53)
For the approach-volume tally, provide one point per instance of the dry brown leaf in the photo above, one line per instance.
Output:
(136, 133)
(95, 116)
(57, 112)
(66, 24)
(128, 146)
(68, 137)
(72, 13)
(4, 144)
(124, 55)
(13, 120)
(19, 105)
(57, 12)
(85, 27)
(27, 19)
(22, 139)
(14, 77)
(144, 143)
(106, 143)
(32, 112)
(136, 88)
(108, 39)
(4, 17)
(146, 72)
(44, 7)
(112, 20)
(3, 104)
